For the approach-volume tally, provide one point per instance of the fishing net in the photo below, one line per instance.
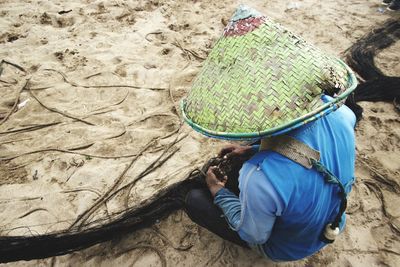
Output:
(157, 181)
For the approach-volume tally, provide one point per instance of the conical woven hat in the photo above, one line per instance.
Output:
(261, 80)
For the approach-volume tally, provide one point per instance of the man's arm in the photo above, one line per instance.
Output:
(253, 214)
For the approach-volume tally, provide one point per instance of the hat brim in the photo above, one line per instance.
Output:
(321, 111)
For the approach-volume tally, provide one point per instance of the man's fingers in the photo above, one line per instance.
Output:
(223, 152)
(210, 170)
(223, 181)
(226, 150)
(231, 154)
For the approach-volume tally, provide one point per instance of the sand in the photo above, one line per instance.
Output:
(158, 47)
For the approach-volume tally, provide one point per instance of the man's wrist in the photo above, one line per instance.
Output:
(214, 189)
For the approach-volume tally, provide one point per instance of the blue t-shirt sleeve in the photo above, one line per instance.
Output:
(253, 214)
(230, 205)
(345, 112)
(348, 115)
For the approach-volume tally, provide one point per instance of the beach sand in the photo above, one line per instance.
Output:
(68, 142)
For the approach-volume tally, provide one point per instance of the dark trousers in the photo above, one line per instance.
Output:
(200, 207)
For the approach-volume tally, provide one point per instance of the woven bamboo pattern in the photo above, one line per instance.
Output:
(261, 80)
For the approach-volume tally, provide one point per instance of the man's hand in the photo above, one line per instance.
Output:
(213, 183)
(233, 151)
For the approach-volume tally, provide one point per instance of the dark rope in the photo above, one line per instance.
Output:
(384, 88)
(360, 57)
(14, 248)
(332, 179)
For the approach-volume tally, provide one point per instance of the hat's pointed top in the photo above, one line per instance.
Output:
(244, 12)
(243, 21)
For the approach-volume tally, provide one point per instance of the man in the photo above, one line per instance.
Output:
(262, 82)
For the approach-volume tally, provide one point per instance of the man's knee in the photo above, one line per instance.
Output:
(195, 198)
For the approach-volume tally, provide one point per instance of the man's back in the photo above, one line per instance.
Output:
(305, 203)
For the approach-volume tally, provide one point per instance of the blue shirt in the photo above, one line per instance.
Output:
(264, 198)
